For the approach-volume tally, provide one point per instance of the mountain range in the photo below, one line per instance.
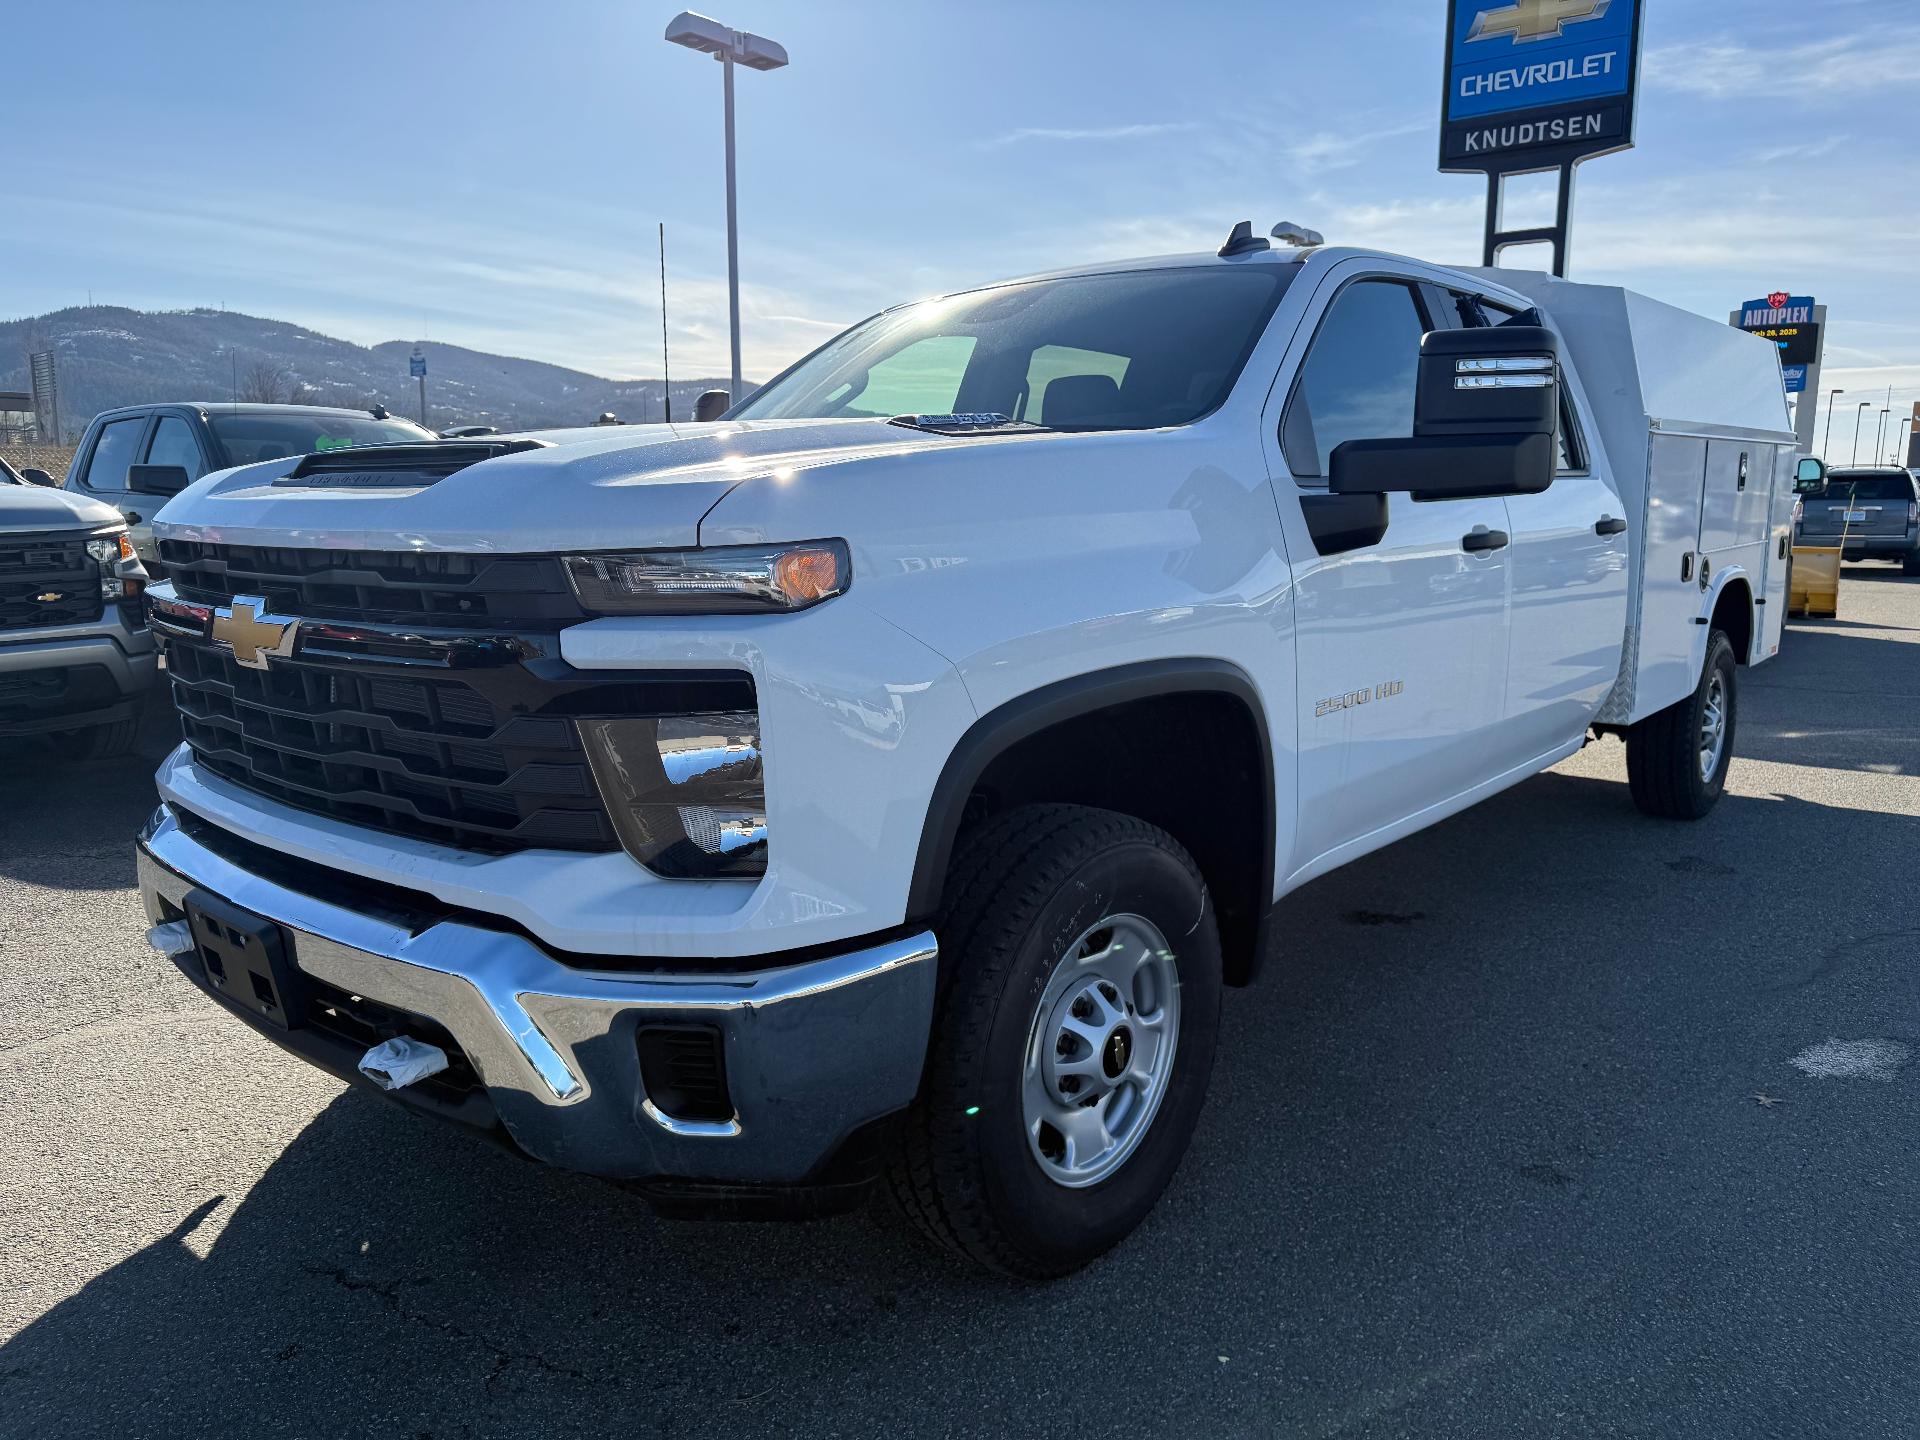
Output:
(109, 356)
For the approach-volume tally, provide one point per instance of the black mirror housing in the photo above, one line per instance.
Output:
(712, 404)
(157, 479)
(1486, 421)
(34, 475)
(1809, 476)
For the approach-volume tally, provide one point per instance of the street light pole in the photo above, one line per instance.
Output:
(1880, 433)
(733, 229)
(702, 33)
(1858, 416)
(1826, 444)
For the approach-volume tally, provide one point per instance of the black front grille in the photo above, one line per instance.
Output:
(469, 743)
(391, 586)
(426, 754)
(47, 580)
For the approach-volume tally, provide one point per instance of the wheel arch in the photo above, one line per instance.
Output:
(1731, 609)
(1236, 855)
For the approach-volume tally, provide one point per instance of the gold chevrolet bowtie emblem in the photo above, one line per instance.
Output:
(1534, 19)
(252, 634)
(49, 597)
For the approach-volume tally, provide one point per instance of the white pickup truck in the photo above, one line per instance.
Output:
(888, 777)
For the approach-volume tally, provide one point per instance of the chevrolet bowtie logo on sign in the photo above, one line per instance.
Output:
(245, 628)
(1535, 19)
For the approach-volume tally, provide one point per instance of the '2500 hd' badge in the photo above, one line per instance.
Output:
(1385, 690)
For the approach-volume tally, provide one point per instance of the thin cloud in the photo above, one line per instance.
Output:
(1811, 150)
(1100, 132)
(1844, 67)
(1335, 150)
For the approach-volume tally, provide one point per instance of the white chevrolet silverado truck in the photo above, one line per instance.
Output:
(76, 656)
(886, 778)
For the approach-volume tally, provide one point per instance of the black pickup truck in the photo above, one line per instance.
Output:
(137, 456)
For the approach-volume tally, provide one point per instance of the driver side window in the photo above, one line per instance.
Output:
(921, 379)
(1359, 377)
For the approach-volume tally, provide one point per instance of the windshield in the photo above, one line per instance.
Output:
(1841, 485)
(1127, 351)
(248, 437)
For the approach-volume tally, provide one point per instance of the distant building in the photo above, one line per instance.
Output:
(17, 425)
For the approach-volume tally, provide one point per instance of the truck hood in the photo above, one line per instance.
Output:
(34, 507)
(636, 486)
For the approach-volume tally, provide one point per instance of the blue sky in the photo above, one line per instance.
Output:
(489, 173)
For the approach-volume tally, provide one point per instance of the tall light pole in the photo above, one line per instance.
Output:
(1858, 416)
(1826, 444)
(729, 47)
(1899, 456)
(1880, 433)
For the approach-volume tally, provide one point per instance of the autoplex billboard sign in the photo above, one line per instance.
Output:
(1537, 84)
(1788, 321)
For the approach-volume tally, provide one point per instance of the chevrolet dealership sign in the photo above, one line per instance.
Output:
(1536, 84)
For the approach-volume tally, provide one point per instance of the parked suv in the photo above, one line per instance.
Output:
(135, 457)
(75, 651)
(1870, 513)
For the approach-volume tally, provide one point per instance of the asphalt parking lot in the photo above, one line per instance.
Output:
(1510, 1143)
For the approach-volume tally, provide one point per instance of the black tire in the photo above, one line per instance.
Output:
(1910, 563)
(1664, 750)
(1024, 885)
(97, 742)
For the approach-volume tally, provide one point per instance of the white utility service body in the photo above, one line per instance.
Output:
(1075, 609)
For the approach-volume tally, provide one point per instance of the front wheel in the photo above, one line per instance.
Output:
(1073, 1044)
(1677, 759)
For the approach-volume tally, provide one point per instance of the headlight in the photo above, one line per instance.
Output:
(685, 792)
(734, 580)
(111, 551)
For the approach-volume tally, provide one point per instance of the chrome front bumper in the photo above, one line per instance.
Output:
(813, 1050)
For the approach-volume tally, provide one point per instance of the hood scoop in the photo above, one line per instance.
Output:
(406, 467)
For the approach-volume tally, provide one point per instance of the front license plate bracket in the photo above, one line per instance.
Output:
(246, 960)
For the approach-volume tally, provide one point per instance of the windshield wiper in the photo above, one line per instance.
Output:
(975, 422)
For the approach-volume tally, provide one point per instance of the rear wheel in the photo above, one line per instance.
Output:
(97, 742)
(1073, 1043)
(1677, 759)
(1910, 563)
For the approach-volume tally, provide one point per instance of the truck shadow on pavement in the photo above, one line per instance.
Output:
(1866, 687)
(1483, 1136)
(53, 811)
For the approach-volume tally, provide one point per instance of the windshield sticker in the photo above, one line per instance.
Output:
(332, 442)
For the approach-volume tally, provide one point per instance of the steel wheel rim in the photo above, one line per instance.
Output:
(1100, 1050)
(1713, 726)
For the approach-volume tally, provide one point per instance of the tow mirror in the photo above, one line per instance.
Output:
(1809, 476)
(712, 404)
(34, 475)
(1486, 417)
(157, 479)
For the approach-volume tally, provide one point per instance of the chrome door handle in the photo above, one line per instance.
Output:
(1481, 538)
(1608, 525)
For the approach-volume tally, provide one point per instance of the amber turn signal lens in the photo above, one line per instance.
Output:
(807, 575)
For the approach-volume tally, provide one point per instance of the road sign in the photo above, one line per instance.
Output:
(1536, 84)
(417, 365)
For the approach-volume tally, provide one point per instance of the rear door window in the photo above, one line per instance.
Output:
(113, 452)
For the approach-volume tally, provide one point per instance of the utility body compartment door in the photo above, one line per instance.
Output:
(1670, 592)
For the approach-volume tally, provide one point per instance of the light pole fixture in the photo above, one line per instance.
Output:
(1899, 456)
(1858, 416)
(1826, 445)
(730, 47)
(1880, 432)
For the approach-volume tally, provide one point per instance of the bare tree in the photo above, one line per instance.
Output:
(263, 382)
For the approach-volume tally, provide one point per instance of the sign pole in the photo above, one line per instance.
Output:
(417, 363)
